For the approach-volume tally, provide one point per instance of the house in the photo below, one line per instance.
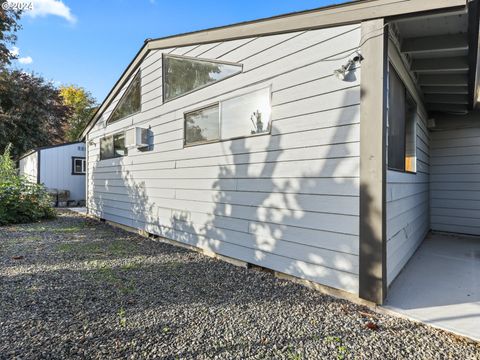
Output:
(323, 144)
(59, 167)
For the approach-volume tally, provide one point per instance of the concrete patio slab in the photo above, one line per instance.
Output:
(441, 285)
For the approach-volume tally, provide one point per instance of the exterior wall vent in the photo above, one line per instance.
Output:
(136, 138)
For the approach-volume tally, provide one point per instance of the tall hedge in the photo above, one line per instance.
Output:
(21, 201)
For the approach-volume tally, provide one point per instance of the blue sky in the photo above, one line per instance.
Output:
(90, 42)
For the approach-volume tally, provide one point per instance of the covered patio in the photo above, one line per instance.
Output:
(440, 285)
(433, 209)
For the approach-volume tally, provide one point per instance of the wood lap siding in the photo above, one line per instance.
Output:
(455, 181)
(288, 201)
(408, 207)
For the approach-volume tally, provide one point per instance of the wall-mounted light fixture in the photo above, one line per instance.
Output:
(343, 71)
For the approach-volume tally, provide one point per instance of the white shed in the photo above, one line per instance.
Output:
(60, 167)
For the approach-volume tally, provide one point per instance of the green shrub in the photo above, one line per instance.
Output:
(21, 200)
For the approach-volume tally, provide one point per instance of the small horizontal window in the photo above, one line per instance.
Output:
(182, 75)
(244, 115)
(78, 166)
(113, 146)
(202, 125)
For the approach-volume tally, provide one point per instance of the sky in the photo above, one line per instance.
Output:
(89, 43)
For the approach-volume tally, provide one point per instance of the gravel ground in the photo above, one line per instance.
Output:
(74, 288)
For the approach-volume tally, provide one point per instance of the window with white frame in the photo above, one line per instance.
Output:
(245, 115)
(402, 115)
(78, 166)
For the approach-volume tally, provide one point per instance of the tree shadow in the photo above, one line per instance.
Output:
(293, 211)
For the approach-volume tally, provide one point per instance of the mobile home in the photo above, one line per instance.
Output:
(324, 144)
(60, 167)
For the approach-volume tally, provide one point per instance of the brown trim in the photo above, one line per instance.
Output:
(328, 16)
(473, 45)
(373, 105)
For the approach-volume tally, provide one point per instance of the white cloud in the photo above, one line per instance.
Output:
(25, 60)
(14, 51)
(42, 8)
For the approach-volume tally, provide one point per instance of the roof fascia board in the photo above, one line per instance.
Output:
(352, 12)
(40, 148)
(336, 15)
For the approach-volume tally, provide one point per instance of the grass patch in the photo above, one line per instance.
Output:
(122, 317)
(116, 248)
(131, 266)
(70, 229)
(292, 354)
(107, 275)
(342, 350)
(34, 228)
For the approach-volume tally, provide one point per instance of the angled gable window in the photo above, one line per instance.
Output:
(182, 75)
(130, 102)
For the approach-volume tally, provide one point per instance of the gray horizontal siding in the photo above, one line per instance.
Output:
(455, 181)
(408, 194)
(286, 200)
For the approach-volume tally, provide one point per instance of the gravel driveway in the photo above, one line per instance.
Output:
(74, 288)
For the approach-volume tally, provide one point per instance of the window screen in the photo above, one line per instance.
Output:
(113, 146)
(119, 145)
(401, 125)
(182, 75)
(106, 147)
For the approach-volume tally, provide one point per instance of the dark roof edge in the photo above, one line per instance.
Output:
(30, 152)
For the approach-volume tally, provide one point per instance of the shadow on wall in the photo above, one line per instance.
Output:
(300, 222)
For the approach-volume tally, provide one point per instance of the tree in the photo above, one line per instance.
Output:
(32, 112)
(8, 26)
(82, 106)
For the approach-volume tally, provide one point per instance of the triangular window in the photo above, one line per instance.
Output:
(130, 103)
(182, 75)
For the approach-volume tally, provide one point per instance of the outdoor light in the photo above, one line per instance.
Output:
(345, 69)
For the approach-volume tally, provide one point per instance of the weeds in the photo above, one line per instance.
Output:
(122, 318)
(342, 350)
(293, 355)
